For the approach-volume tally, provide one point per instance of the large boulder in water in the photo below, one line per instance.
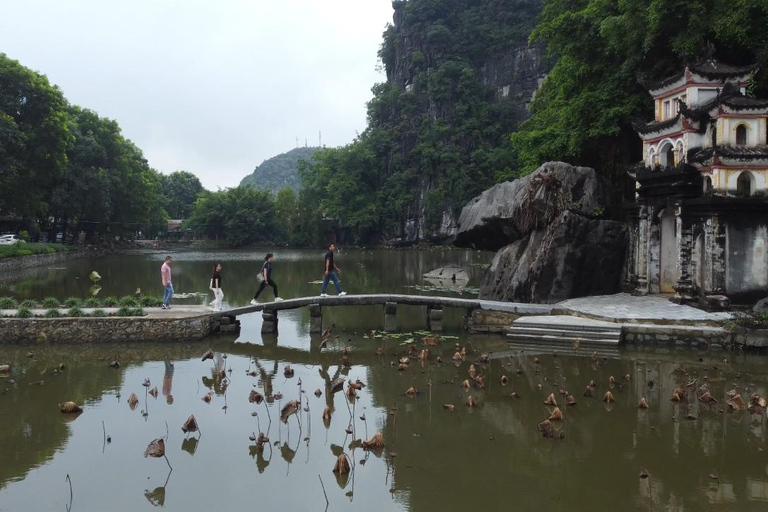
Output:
(552, 242)
(511, 210)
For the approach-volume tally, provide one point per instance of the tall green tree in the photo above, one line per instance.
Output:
(34, 138)
(180, 189)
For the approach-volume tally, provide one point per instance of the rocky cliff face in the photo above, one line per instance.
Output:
(509, 75)
(552, 244)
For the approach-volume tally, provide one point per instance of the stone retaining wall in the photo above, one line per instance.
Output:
(98, 330)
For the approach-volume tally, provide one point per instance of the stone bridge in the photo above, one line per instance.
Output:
(433, 318)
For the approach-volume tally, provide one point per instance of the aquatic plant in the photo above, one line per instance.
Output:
(24, 313)
(91, 302)
(73, 302)
(110, 302)
(51, 303)
(8, 303)
(75, 312)
(52, 313)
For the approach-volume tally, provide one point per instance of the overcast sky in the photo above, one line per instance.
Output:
(212, 87)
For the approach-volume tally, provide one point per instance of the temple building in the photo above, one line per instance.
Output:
(699, 223)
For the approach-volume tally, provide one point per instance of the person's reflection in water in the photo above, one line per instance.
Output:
(168, 382)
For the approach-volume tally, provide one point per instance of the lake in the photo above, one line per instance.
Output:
(490, 456)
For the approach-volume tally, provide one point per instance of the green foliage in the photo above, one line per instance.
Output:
(127, 302)
(24, 313)
(62, 162)
(238, 216)
(110, 302)
(98, 313)
(434, 127)
(91, 302)
(582, 112)
(52, 313)
(180, 190)
(125, 311)
(75, 312)
(72, 302)
(8, 303)
(15, 250)
(51, 303)
(279, 172)
(28, 303)
(137, 312)
(150, 301)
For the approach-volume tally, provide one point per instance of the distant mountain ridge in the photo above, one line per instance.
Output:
(280, 171)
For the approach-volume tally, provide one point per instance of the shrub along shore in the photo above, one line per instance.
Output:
(74, 307)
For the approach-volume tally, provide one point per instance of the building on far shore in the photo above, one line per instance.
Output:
(699, 223)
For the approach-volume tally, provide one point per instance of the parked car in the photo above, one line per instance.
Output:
(10, 240)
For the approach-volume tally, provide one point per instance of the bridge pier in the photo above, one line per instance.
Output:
(315, 319)
(435, 318)
(269, 324)
(390, 316)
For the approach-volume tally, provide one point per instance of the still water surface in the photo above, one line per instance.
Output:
(489, 457)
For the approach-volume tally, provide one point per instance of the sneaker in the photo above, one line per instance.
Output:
(323, 294)
(164, 306)
(254, 302)
(278, 299)
(342, 294)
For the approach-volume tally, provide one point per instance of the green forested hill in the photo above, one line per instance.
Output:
(279, 171)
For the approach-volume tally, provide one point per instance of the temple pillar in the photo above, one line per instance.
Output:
(684, 230)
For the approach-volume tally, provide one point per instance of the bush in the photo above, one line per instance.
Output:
(99, 313)
(124, 311)
(51, 303)
(110, 302)
(29, 303)
(75, 312)
(73, 302)
(8, 303)
(24, 313)
(127, 302)
(93, 302)
(52, 313)
(150, 301)
(137, 312)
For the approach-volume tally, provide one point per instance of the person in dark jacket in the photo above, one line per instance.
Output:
(266, 279)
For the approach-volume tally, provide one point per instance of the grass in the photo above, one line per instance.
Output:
(92, 302)
(24, 313)
(99, 313)
(52, 313)
(51, 303)
(73, 302)
(31, 304)
(124, 311)
(17, 250)
(75, 312)
(110, 302)
(8, 303)
(127, 302)
(150, 301)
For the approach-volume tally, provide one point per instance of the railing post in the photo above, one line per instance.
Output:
(435, 318)
(315, 319)
(390, 316)
(269, 324)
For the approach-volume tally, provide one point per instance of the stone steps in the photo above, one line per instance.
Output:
(564, 330)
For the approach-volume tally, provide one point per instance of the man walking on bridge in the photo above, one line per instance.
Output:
(165, 274)
(330, 272)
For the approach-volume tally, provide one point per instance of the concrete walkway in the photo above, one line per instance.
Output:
(175, 312)
(626, 308)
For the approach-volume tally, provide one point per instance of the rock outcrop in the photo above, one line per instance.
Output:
(552, 242)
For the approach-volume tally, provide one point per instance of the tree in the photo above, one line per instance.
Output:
(34, 138)
(180, 189)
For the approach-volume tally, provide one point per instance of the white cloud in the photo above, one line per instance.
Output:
(210, 87)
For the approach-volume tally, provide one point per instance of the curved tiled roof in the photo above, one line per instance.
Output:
(656, 126)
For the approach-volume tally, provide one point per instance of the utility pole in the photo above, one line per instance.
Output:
(320, 139)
